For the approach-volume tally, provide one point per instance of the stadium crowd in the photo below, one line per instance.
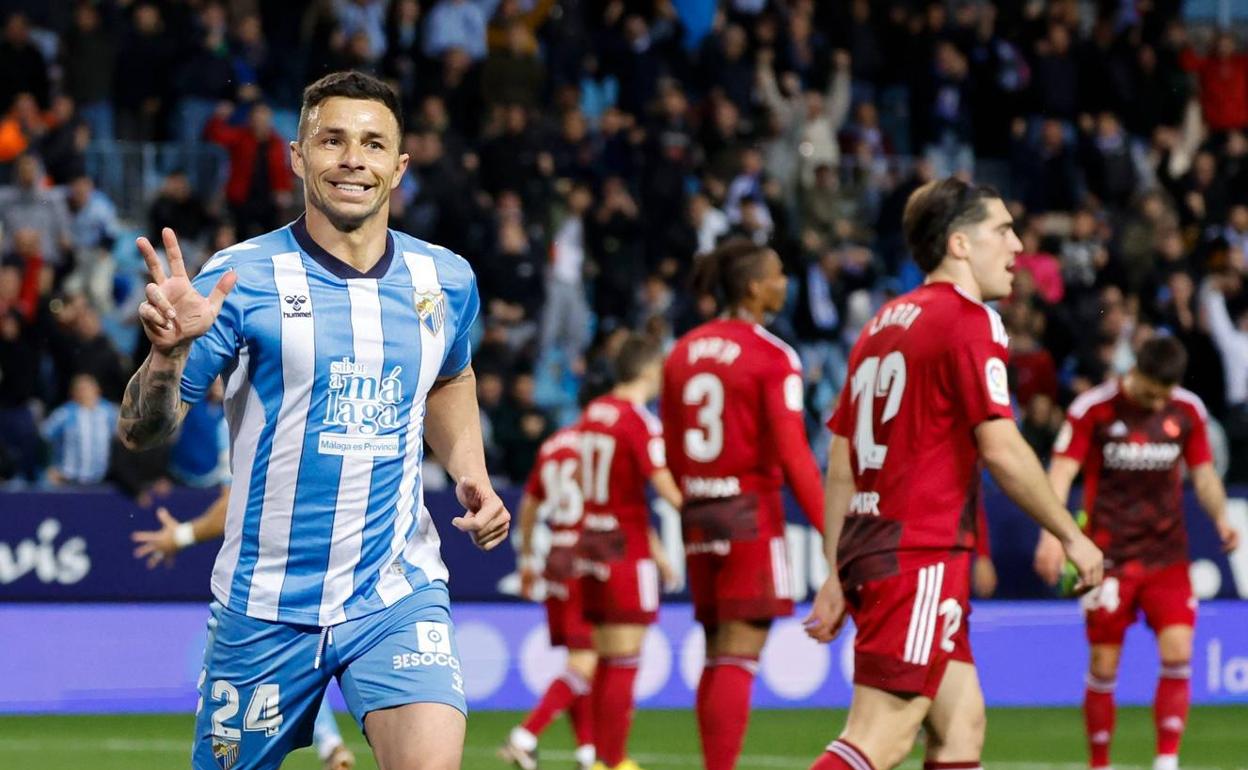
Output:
(580, 154)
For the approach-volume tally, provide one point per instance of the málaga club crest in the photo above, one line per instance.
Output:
(431, 308)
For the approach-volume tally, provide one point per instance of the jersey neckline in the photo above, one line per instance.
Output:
(335, 266)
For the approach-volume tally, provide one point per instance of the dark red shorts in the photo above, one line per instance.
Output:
(1164, 596)
(624, 591)
(565, 616)
(740, 580)
(910, 625)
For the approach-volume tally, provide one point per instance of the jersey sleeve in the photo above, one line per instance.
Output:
(465, 304)
(1197, 451)
(1075, 437)
(218, 346)
(980, 380)
(784, 413)
(645, 436)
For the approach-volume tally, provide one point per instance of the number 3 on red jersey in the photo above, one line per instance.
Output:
(876, 378)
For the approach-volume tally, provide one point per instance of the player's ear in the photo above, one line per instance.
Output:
(958, 245)
(400, 171)
(296, 159)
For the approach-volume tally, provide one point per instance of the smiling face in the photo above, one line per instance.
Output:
(348, 158)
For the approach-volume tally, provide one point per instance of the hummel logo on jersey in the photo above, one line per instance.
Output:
(296, 302)
(431, 307)
(1118, 429)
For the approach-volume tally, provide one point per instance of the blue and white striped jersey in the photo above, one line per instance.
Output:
(327, 371)
(81, 440)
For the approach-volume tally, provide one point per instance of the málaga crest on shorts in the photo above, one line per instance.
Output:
(431, 307)
(225, 752)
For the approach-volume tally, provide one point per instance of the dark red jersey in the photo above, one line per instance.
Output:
(926, 371)
(1133, 486)
(555, 484)
(733, 421)
(621, 447)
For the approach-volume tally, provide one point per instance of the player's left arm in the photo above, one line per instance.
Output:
(1209, 490)
(453, 431)
(827, 613)
(786, 432)
(1212, 497)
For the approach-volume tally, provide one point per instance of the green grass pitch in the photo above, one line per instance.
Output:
(1018, 739)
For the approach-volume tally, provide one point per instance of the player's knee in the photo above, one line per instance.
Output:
(1103, 663)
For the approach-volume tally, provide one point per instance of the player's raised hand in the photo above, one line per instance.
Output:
(157, 545)
(485, 517)
(1049, 558)
(1088, 560)
(827, 613)
(174, 313)
(1228, 535)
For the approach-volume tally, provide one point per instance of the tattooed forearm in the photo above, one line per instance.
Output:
(152, 408)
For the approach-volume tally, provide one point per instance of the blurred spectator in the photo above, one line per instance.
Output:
(178, 207)
(403, 61)
(89, 56)
(521, 430)
(513, 74)
(63, 141)
(366, 17)
(206, 76)
(1223, 77)
(455, 24)
(20, 450)
(1046, 168)
(30, 205)
(614, 246)
(80, 346)
(1230, 334)
(200, 456)
(808, 118)
(80, 432)
(566, 319)
(22, 63)
(1107, 162)
(93, 218)
(260, 183)
(141, 86)
(511, 279)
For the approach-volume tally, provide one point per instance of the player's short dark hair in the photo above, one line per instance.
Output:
(349, 85)
(637, 352)
(935, 210)
(1162, 359)
(726, 271)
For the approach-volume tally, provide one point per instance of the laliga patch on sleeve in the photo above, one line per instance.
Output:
(1062, 442)
(793, 395)
(997, 381)
(658, 452)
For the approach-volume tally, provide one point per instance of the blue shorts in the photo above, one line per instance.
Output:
(262, 681)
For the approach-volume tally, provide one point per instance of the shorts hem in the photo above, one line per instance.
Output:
(460, 706)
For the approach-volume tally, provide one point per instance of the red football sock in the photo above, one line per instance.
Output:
(842, 755)
(559, 695)
(613, 707)
(1098, 718)
(582, 715)
(1174, 695)
(723, 707)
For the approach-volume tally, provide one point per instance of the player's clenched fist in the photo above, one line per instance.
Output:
(485, 517)
(827, 614)
(174, 313)
(1088, 561)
